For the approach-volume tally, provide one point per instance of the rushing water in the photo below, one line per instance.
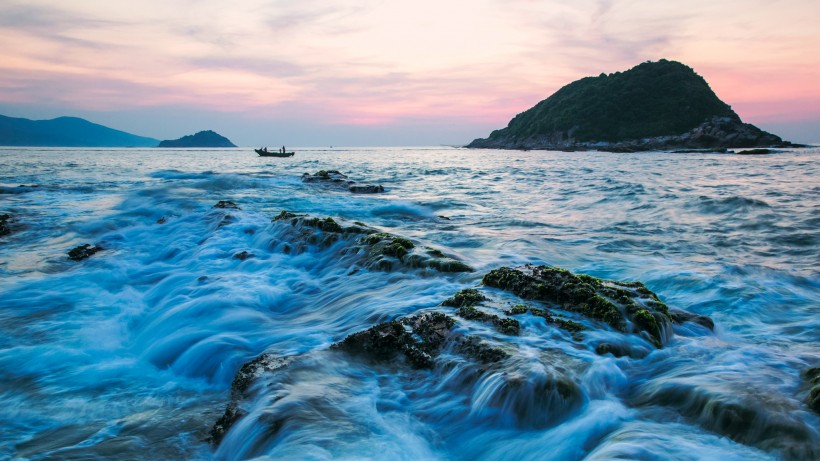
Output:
(131, 353)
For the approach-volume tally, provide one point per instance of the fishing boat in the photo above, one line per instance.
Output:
(266, 153)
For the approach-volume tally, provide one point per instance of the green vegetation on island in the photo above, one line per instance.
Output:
(655, 105)
(202, 139)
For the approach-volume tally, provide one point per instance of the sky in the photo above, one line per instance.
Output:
(387, 72)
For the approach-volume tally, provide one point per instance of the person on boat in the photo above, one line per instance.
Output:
(283, 149)
(265, 149)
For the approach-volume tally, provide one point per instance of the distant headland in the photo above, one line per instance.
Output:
(660, 105)
(78, 132)
(202, 139)
(66, 132)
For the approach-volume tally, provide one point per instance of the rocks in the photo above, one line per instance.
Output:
(417, 338)
(755, 152)
(374, 249)
(337, 180)
(618, 304)
(84, 251)
(206, 138)
(243, 255)
(812, 377)
(227, 204)
(369, 189)
(4, 224)
(241, 382)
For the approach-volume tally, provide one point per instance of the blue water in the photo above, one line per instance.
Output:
(131, 353)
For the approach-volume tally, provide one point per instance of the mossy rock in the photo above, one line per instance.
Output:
(465, 298)
(612, 302)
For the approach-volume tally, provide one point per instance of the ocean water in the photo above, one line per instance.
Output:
(130, 354)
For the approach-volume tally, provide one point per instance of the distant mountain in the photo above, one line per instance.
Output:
(201, 139)
(655, 105)
(66, 132)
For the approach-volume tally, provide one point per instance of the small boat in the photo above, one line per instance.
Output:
(267, 153)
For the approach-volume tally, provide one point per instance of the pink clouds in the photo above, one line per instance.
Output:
(361, 62)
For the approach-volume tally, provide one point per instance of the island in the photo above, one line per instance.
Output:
(202, 139)
(661, 105)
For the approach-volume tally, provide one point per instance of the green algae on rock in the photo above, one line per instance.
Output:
(618, 304)
(376, 250)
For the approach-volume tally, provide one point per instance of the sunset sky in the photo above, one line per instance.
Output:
(361, 72)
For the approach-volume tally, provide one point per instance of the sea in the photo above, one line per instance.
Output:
(131, 353)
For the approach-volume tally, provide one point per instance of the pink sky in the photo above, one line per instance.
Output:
(367, 72)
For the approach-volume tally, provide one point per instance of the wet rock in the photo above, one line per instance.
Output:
(755, 152)
(337, 180)
(84, 251)
(745, 415)
(679, 316)
(368, 189)
(417, 338)
(465, 298)
(227, 204)
(162, 220)
(812, 376)
(4, 224)
(378, 250)
(243, 379)
(331, 176)
(620, 350)
(618, 304)
(568, 325)
(243, 255)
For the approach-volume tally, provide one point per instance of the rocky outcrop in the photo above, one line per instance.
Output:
(453, 337)
(334, 179)
(368, 247)
(625, 306)
(660, 105)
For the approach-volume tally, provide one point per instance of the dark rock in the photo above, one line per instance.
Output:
(568, 325)
(377, 250)
(620, 350)
(755, 152)
(4, 224)
(243, 255)
(417, 338)
(465, 298)
(227, 204)
(609, 301)
(206, 138)
(812, 376)
(327, 176)
(660, 105)
(83, 252)
(679, 316)
(243, 379)
(162, 220)
(340, 181)
(369, 189)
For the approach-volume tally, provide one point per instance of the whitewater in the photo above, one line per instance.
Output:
(131, 353)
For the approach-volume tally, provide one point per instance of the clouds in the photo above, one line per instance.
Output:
(373, 63)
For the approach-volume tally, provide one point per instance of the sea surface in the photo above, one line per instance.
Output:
(130, 354)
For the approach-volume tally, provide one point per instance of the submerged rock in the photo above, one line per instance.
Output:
(227, 204)
(368, 189)
(625, 306)
(84, 251)
(243, 255)
(812, 376)
(337, 180)
(4, 224)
